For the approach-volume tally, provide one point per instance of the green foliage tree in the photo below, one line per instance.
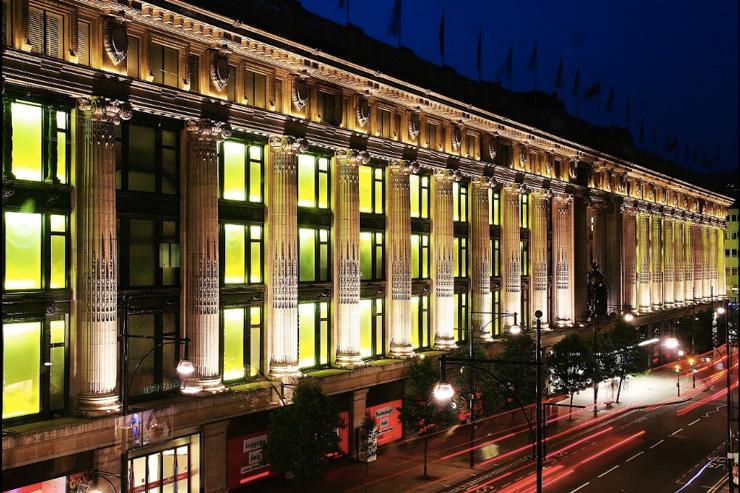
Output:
(420, 412)
(519, 379)
(302, 434)
(488, 392)
(600, 362)
(630, 358)
(568, 365)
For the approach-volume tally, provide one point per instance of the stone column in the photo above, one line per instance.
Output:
(668, 261)
(679, 262)
(200, 215)
(443, 251)
(713, 264)
(538, 255)
(97, 262)
(696, 246)
(562, 259)
(720, 252)
(480, 260)
(398, 266)
(688, 287)
(511, 261)
(347, 255)
(643, 261)
(282, 226)
(656, 261)
(629, 273)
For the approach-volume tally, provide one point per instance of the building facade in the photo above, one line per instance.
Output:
(732, 244)
(180, 187)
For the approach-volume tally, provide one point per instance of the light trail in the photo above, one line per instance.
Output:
(611, 447)
(706, 400)
(582, 440)
(694, 477)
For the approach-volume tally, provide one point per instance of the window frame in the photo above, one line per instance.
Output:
(422, 193)
(122, 138)
(524, 210)
(317, 183)
(460, 202)
(462, 319)
(460, 267)
(165, 46)
(425, 332)
(248, 241)
(377, 328)
(124, 251)
(374, 246)
(250, 99)
(318, 242)
(64, 18)
(424, 255)
(380, 126)
(247, 341)
(318, 319)
(374, 182)
(248, 161)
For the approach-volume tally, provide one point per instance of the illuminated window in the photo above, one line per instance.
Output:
(329, 108)
(242, 254)
(46, 32)
(419, 195)
(313, 181)
(255, 88)
(40, 142)
(153, 347)
(420, 328)
(241, 171)
(460, 257)
(313, 257)
(371, 327)
(496, 295)
(163, 64)
(459, 202)
(371, 256)
(419, 256)
(372, 189)
(34, 363)
(524, 250)
(460, 316)
(147, 158)
(494, 207)
(242, 342)
(175, 467)
(383, 123)
(132, 57)
(313, 334)
(524, 210)
(495, 257)
(431, 135)
(36, 255)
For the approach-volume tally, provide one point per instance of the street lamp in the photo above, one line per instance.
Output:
(443, 390)
(671, 343)
(693, 373)
(678, 379)
(628, 317)
(721, 310)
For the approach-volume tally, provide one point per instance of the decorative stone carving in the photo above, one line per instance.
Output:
(115, 39)
(414, 125)
(299, 93)
(491, 149)
(219, 68)
(523, 151)
(362, 112)
(456, 137)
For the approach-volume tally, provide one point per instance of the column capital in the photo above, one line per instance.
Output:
(403, 166)
(105, 109)
(290, 144)
(352, 156)
(205, 129)
(625, 209)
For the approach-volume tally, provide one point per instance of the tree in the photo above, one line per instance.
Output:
(600, 362)
(302, 434)
(629, 357)
(420, 412)
(520, 379)
(488, 392)
(567, 362)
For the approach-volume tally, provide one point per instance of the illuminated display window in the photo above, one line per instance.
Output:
(255, 89)
(372, 267)
(242, 342)
(419, 256)
(153, 353)
(164, 64)
(420, 327)
(313, 256)
(241, 168)
(36, 251)
(46, 32)
(313, 334)
(460, 257)
(147, 158)
(460, 316)
(372, 189)
(419, 195)
(494, 207)
(459, 202)
(176, 467)
(242, 254)
(34, 368)
(313, 181)
(371, 327)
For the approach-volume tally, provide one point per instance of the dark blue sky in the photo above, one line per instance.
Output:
(676, 60)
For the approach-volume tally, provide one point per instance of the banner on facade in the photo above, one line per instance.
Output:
(388, 420)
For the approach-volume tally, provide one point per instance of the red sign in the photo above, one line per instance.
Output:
(343, 432)
(388, 420)
(244, 459)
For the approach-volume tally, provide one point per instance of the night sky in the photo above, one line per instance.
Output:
(676, 60)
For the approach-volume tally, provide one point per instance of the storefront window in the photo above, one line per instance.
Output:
(313, 334)
(169, 470)
(241, 171)
(313, 181)
(371, 327)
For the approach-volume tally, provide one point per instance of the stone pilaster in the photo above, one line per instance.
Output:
(200, 213)
(562, 259)
(480, 235)
(679, 262)
(656, 261)
(698, 256)
(538, 255)
(97, 262)
(713, 264)
(282, 226)
(443, 251)
(668, 261)
(398, 266)
(629, 273)
(347, 255)
(511, 262)
(721, 274)
(689, 287)
(643, 261)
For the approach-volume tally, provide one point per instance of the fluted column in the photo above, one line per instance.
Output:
(689, 288)
(629, 274)
(706, 258)
(713, 263)
(443, 251)
(282, 226)
(201, 252)
(511, 261)
(347, 254)
(679, 262)
(698, 256)
(668, 261)
(643, 262)
(656, 262)
(480, 279)
(562, 259)
(97, 262)
(398, 267)
(721, 274)
(538, 255)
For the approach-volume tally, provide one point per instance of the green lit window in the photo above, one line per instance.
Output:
(36, 251)
(495, 257)
(420, 328)
(524, 251)
(496, 295)
(255, 88)
(459, 202)
(371, 327)
(154, 347)
(34, 368)
(147, 158)
(371, 256)
(313, 334)
(460, 316)
(372, 189)
(163, 64)
(40, 141)
(313, 256)
(460, 257)
(242, 254)
(46, 32)
(494, 207)
(242, 342)
(313, 181)
(419, 256)
(419, 195)
(241, 171)
(524, 210)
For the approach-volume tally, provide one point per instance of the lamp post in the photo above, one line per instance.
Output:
(722, 311)
(678, 379)
(693, 372)
(538, 419)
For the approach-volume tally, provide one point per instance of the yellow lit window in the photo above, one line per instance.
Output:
(371, 189)
(419, 196)
(313, 181)
(243, 256)
(23, 239)
(241, 166)
(313, 334)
